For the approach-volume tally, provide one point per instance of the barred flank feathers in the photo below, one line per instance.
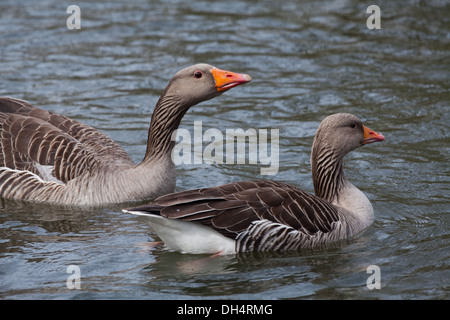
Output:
(287, 220)
(20, 185)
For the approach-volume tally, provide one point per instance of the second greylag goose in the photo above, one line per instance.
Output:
(47, 157)
(267, 215)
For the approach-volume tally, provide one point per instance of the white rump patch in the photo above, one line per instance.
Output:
(46, 173)
(187, 237)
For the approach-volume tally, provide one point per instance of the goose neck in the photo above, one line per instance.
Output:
(165, 120)
(328, 176)
(331, 185)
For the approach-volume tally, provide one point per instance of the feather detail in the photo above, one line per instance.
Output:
(272, 216)
(88, 167)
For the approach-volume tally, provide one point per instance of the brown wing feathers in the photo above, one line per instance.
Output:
(231, 208)
(27, 141)
(30, 135)
(92, 139)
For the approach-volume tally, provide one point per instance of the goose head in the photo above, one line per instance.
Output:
(342, 133)
(201, 82)
(336, 136)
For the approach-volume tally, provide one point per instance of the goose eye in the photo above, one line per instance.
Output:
(353, 125)
(198, 74)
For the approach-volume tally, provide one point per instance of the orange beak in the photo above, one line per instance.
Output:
(371, 136)
(226, 80)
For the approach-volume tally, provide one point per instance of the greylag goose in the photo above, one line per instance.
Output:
(47, 157)
(267, 215)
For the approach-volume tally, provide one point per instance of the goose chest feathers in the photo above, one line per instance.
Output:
(271, 216)
(47, 157)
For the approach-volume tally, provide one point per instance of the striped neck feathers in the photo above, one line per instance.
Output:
(331, 185)
(166, 118)
(327, 173)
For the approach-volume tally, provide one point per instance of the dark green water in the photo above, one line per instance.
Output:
(308, 59)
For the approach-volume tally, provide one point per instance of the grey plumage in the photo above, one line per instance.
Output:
(273, 216)
(236, 210)
(47, 157)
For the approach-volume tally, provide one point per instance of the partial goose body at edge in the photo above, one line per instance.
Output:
(48, 157)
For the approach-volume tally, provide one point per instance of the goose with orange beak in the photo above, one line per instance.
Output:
(261, 215)
(54, 159)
